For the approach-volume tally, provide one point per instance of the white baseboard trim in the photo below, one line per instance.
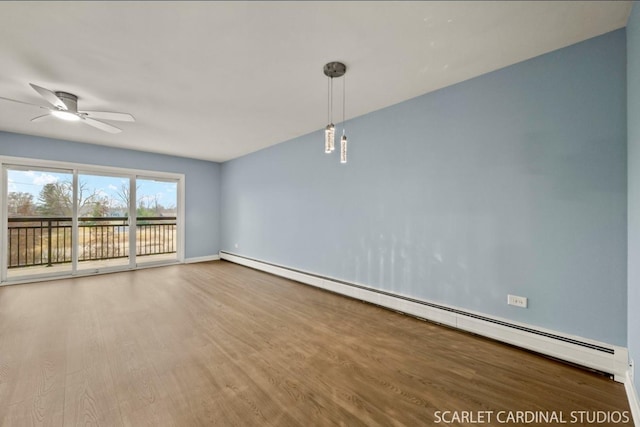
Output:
(582, 351)
(202, 259)
(632, 395)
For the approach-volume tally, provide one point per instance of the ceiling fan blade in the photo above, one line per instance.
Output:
(51, 97)
(19, 102)
(39, 118)
(107, 115)
(101, 125)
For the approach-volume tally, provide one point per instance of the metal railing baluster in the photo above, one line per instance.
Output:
(26, 239)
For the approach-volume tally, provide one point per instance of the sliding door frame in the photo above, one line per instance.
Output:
(76, 168)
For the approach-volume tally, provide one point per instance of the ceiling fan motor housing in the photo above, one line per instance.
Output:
(70, 100)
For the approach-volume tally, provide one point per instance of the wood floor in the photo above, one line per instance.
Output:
(220, 344)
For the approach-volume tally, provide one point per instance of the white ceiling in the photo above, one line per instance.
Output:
(217, 80)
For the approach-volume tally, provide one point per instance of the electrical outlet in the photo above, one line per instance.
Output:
(517, 301)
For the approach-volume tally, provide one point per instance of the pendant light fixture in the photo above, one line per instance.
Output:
(331, 70)
(343, 140)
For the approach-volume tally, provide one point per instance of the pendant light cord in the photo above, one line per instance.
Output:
(330, 99)
(344, 90)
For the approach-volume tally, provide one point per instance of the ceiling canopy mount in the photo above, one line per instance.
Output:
(335, 69)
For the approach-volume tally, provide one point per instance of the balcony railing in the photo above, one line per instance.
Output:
(45, 241)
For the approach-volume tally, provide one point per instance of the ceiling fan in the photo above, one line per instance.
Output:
(65, 107)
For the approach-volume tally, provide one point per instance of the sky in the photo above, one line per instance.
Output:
(32, 182)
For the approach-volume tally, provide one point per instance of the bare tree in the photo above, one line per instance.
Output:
(123, 193)
(56, 199)
(20, 204)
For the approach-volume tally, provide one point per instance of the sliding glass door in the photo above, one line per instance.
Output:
(103, 221)
(61, 221)
(156, 220)
(39, 212)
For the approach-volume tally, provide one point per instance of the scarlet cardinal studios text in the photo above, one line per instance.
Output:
(531, 417)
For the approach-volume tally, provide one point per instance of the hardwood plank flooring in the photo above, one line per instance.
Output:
(220, 344)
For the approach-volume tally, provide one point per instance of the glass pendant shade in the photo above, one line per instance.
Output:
(343, 149)
(329, 138)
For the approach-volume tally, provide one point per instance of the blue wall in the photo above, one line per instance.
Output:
(202, 179)
(633, 121)
(512, 182)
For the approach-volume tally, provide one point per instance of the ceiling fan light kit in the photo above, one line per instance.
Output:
(65, 115)
(64, 106)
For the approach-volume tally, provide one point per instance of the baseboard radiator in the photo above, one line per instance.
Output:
(607, 358)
